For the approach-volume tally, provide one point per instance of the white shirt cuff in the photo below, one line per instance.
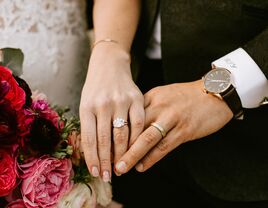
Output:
(248, 79)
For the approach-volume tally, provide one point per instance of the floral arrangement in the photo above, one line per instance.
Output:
(41, 163)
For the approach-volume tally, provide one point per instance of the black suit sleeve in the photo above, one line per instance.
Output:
(258, 50)
(89, 13)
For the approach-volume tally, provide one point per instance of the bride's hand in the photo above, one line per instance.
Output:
(109, 93)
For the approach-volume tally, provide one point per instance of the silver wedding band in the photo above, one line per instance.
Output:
(160, 129)
(119, 122)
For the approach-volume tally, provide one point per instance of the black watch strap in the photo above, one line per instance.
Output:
(232, 99)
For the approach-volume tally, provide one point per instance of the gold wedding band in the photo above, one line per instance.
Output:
(160, 129)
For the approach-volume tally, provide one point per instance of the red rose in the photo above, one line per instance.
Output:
(8, 172)
(15, 95)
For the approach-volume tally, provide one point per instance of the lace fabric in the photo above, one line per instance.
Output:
(37, 16)
(52, 36)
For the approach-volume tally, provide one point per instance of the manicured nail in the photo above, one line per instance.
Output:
(106, 176)
(139, 167)
(95, 171)
(121, 167)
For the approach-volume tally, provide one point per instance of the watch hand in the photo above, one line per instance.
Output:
(218, 80)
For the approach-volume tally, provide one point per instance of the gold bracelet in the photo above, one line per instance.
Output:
(106, 40)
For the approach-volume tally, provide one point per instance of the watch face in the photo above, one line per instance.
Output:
(217, 80)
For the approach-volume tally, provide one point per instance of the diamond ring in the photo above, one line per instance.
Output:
(160, 129)
(119, 122)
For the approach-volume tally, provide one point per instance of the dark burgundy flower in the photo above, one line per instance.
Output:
(4, 87)
(44, 136)
(8, 124)
(26, 89)
(2, 202)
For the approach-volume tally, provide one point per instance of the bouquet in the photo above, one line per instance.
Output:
(41, 164)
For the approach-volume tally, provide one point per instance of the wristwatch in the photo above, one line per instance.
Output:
(218, 82)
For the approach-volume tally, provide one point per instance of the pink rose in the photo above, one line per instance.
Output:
(45, 180)
(16, 204)
(8, 172)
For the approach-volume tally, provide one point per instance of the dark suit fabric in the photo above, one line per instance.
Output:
(230, 167)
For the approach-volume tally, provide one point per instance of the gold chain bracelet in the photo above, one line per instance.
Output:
(106, 40)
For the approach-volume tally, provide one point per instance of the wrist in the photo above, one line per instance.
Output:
(110, 49)
(219, 82)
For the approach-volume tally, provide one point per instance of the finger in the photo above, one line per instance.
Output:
(163, 147)
(89, 142)
(104, 144)
(149, 138)
(150, 116)
(147, 99)
(136, 117)
(120, 135)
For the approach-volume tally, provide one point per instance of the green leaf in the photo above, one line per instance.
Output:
(12, 58)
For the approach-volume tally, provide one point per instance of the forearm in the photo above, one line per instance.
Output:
(117, 20)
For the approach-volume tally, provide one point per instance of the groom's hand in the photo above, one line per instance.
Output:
(184, 112)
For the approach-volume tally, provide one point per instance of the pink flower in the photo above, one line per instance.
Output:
(45, 180)
(16, 204)
(36, 95)
(42, 109)
(8, 172)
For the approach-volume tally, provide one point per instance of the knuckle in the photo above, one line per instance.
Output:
(162, 146)
(88, 143)
(147, 160)
(105, 162)
(138, 123)
(120, 100)
(136, 96)
(132, 156)
(103, 139)
(102, 103)
(149, 137)
(85, 107)
(186, 135)
(120, 137)
(87, 139)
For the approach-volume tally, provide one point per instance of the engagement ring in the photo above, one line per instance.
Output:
(119, 122)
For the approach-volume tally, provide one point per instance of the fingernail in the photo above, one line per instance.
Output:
(139, 167)
(106, 176)
(95, 171)
(121, 167)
